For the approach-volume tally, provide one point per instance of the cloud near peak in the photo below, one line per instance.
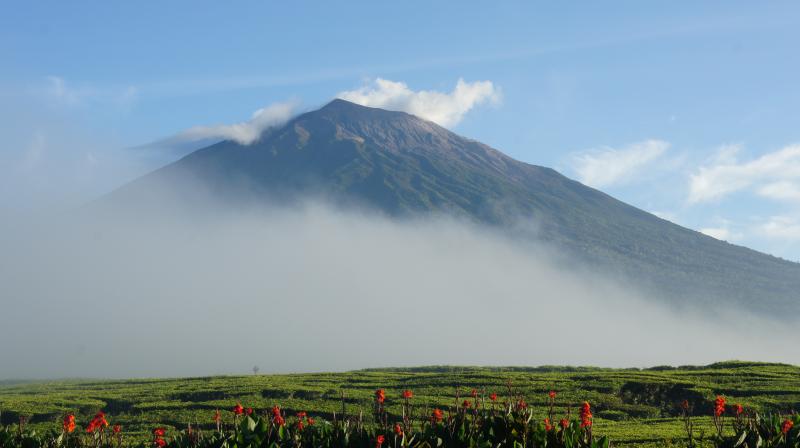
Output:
(246, 132)
(446, 109)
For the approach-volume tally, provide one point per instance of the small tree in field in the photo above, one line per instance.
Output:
(255, 370)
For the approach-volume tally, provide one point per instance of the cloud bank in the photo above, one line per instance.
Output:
(313, 288)
(608, 166)
(445, 109)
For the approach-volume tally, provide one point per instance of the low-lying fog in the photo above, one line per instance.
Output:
(312, 288)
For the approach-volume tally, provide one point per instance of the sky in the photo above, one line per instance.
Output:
(684, 109)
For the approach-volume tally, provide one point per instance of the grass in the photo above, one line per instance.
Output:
(634, 407)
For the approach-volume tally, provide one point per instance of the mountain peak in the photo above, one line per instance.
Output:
(347, 111)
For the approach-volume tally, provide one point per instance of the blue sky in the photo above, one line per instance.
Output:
(685, 109)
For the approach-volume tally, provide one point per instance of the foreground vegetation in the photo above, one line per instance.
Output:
(652, 407)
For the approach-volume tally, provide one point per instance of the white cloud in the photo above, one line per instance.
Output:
(720, 233)
(782, 227)
(608, 166)
(246, 132)
(783, 190)
(446, 109)
(726, 175)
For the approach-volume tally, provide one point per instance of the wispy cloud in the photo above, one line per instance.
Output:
(245, 133)
(773, 175)
(606, 166)
(783, 190)
(722, 230)
(446, 109)
(781, 227)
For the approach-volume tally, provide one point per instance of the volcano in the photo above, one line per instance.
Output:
(405, 166)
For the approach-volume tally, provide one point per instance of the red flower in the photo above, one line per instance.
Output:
(407, 394)
(493, 397)
(719, 406)
(474, 393)
(547, 425)
(685, 405)
(398, 430)
(466, 404)
(160, 442)
(380, 396)
(248, 411)
(310, 421)
(98, 422)
(522, 405)
(586, 415)
(301, 415)
(787, 426)
(564, 423)
(117, 429)
(238, 409)
(279, 420)
(300, 425)
(739, 409)
(552, 395)
(69, 423)
(159, 432)
(437, 415)
(379, 441)
(276, 411)
(217, 416)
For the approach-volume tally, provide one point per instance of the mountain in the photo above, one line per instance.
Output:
(406, 166)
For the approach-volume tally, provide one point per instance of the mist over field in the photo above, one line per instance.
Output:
(163, 291)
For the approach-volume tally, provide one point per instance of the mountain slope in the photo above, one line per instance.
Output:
(403, 165)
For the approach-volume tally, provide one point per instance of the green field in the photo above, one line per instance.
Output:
(635, 407)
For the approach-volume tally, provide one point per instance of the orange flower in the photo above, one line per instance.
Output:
(379, 441)
(437, 415)
(238, 409)
(719, 406)
(69, 423)
(552, 395)
(493, 397)
(380, 396)
(586, 415)
(407, 394)
(787, 426)
(398, 430)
